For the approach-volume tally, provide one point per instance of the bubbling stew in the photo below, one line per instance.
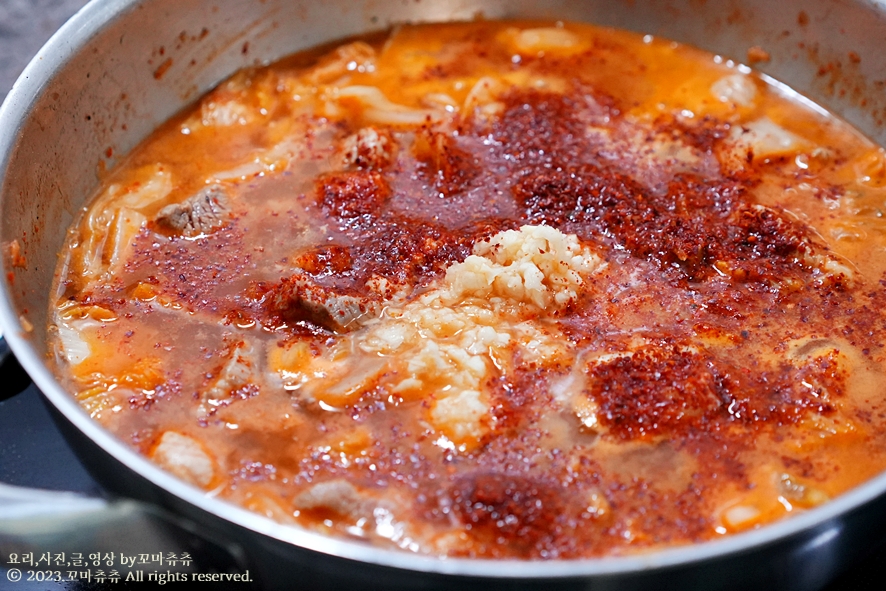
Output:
(493, 289)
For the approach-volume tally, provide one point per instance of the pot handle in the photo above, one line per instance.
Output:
(19, 503)
(76, 527)
(134, 539)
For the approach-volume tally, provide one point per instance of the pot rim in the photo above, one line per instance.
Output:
(52, 58)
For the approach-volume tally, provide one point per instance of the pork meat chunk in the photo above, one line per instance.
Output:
(301, 298)
(200, 214)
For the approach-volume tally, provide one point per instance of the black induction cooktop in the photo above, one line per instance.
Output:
(34, 454)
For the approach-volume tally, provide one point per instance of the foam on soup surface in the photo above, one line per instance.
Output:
(497, 289)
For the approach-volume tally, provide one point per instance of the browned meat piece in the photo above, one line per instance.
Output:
(369, 149)
(300, 298)
(234, 381)
(201, 214)
(338, 496)
(185, 457)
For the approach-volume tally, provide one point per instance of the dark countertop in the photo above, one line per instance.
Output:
(32, 451)
(25, 25)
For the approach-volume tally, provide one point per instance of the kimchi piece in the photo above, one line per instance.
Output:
(494, 289)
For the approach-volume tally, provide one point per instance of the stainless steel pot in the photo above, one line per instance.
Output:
(121, 67)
